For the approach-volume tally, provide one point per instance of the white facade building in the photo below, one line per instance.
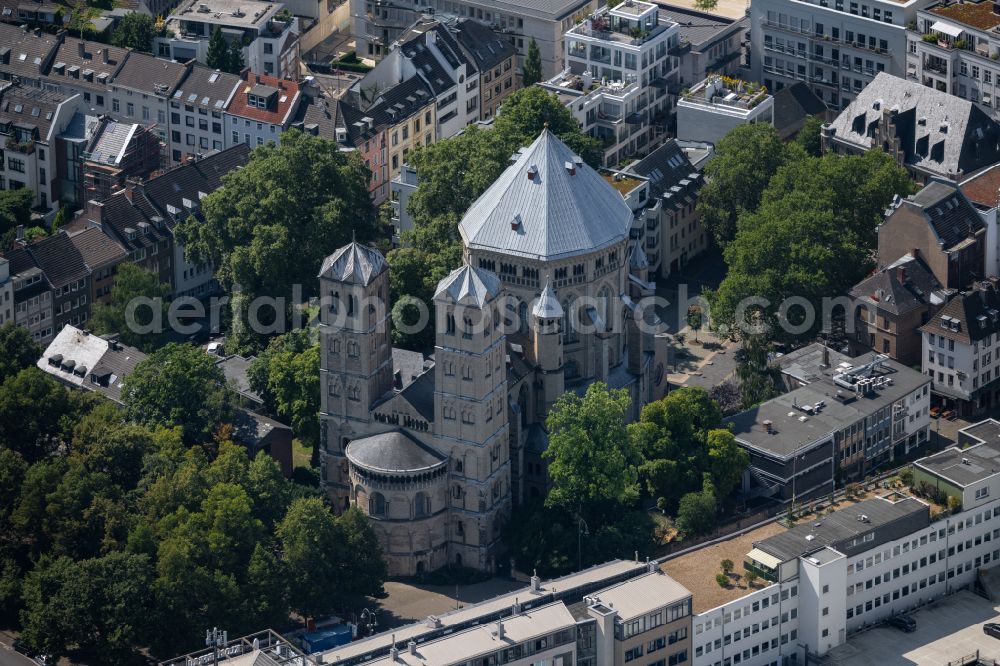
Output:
(836, 46)
(615, 80)
(6, 293)
(713, 107)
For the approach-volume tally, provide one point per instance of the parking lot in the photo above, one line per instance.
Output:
(946, 631)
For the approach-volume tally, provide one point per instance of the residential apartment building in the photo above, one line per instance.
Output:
(891, 305)
(86, 68)
(713, 107)
(197, 109)
(953, 48)
(961, 350)
(270, 39)
(6, 293)
(495, 60)
(708, 43)
(983, 192)
(25, 54)
(615, 80)
(376, 24)
(101, 255)
(31, 120)
(930, 133)
(32, 295)
(838, 47)
(941, 227)
(849, 420)
(260, 109)
(427, 51)
(671, 232)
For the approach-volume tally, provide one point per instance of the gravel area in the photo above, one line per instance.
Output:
(696, 570)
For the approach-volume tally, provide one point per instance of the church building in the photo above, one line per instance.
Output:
(437, 450)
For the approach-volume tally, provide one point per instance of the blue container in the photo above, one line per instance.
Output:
(326, 639)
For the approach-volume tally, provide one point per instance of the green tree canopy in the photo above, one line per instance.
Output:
(31, 409)
(218, 51)
(592, 463)
(135, 31)
(531, 72)
(179, 385)
(272, 222)
(809, 136)
(15, 209)
(149, 299)
(744, 161)
(286, 376)
(696, 513)
(235, 63)
(17, 350)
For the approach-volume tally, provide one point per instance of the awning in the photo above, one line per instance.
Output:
(768, 560)
(946, 28)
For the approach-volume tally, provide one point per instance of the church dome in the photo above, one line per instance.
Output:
(549, 204)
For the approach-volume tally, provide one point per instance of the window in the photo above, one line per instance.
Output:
(982, 492)
(376, 504)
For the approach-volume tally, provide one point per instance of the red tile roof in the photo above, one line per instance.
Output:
(983, 189)
(287, 99)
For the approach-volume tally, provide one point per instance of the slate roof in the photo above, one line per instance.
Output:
(399, 102)
(903, 286)
(425, 61)
(151, 75)
(839, 528)
(190, 181)
(468, 286)
(30, 107)
(940, 134)
(97, 248)
(59, 258)
(317, 116)
(393, 451)
(977, 313)
(85, 70)
(206, 87)
(547, 306)
(952, 217)
(486, 47)
(420, 394)
(671, 174)
(565, 209)
(697, 27)
(28, 54)
(355, 263)
(793, 103)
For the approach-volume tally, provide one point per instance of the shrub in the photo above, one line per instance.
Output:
(727, 566)
(722, 580)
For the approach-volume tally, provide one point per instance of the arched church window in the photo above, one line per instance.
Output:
(376, 504)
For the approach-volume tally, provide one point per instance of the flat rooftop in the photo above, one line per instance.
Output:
(241, 13)
(835, 528)
(810, 363)
(464, 646)
(963, 466)
(987, 431)
(795, 425)
(579, 584)
(977, 15)
(642, 595)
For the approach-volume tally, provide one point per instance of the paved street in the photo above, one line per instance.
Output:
(7, 655)
(946, 631)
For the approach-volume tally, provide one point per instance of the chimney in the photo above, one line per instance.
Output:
(532, 172)
(95, 212)
(412, 647)
(915, 252)
(767, 427)
(536, 582)
(500, 632)
(132, 185)
(826, 356)
(901, 274)
(104, 55)
(82, 48)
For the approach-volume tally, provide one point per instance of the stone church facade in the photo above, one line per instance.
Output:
(437, 450)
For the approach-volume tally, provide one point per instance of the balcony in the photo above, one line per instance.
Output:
(26, 147)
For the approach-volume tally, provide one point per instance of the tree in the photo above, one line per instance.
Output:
(809, 136)
(727, 461)
(272, 223)
(286, 375)
(694, 320)
(727, 566)
(531, 72)
(705, 5)
(722, 580)
(15, 209)
(591, 459)
(218, 51)
(100, 606)
(364, 572)
(135, 31)
(751, 578)
(178, 385)
(17, 350)
(149, 300)
(745, 159)
(31, 409)
(727, 396)
(312, 552)
(696, 513)
(235, 63)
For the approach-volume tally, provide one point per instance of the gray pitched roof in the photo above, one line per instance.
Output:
(485, 46)
(547, 306)
(394, 451)
(26, 52)
(148, 74)
(355, 263)
(901, 287)
(953, 218)
(468, 286)
(939, 133)
(549, 204)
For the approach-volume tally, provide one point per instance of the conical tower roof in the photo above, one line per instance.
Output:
(468, 286)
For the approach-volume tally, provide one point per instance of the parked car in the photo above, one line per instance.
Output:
(992, 629)
(935, 412)
(903, 622)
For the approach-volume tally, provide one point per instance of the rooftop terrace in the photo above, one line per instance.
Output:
(726, 91)
(978, 15)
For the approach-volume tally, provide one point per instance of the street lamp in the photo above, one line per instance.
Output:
(581, 531)
(216, 639)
